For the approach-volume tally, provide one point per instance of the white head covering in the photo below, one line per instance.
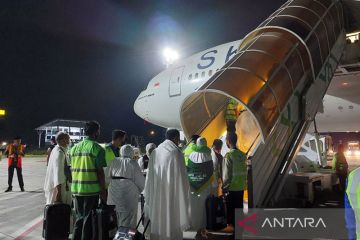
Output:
(127, 151)
(148, 147)
(201, 141)
(137, 153)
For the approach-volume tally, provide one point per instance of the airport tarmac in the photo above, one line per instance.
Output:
(21, 213)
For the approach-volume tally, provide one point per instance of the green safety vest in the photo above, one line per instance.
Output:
(231, 108)
(109, 155)
(239, 170)
(188, 150)
(85, 181)
(353, 193)
(339, 163)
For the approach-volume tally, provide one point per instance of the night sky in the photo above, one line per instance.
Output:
(88, 60)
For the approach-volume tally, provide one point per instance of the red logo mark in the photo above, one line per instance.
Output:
(157, 84)
(251, 218)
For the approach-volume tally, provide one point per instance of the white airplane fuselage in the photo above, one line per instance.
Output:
(161, 101)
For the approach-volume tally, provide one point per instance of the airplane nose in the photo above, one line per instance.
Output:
(137, 108)
(140, 107)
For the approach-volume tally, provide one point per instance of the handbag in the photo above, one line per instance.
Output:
(67, 168)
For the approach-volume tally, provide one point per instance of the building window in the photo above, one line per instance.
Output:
(196, 75)
(210, 73)
(203, 74)
(190, 76)
(48, 137)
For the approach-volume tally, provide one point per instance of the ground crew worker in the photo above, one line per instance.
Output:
(15, 152)
(231, 115)
(112, 151)
(190, 148)
(234, 177)
(88, 181)
(340, 166)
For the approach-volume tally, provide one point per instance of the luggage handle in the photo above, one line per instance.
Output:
(147, 224)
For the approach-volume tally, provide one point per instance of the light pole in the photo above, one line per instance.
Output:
(170, 56)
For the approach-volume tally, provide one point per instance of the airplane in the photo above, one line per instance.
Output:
(161, 101)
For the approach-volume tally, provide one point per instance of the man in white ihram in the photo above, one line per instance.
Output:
(167, 191)
(57, 186)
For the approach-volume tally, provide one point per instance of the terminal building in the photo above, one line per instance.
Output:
(74, 128)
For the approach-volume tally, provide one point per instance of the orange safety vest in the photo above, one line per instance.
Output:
(11, 150)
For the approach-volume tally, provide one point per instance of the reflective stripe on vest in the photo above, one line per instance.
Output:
(239, 171)
(20, 152)
(109, 155)
(231, 108)
(84, 173)
(20, 149)
(353, 193)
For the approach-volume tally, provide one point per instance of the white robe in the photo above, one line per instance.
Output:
(167, 193)
(124, 193)
(198, 200)
(55, 176)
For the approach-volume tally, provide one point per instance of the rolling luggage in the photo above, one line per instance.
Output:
(215, 213)
(56, 225)
(104, 222)
(125, 233)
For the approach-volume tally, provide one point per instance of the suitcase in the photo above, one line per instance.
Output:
(56, 225)
(215, 213)
(126, 233)
(104, 222)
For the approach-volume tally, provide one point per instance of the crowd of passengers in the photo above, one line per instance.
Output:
(174, 182)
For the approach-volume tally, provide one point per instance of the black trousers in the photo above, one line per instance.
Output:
(342, 179)
(83, 223)
(231, 126)
(234, 200)
(18, 173)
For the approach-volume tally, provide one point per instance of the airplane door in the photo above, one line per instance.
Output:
(175, 82)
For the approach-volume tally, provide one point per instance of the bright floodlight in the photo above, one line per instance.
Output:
(4, 143)
(170, 56)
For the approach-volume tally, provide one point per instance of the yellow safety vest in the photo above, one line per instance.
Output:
(231, 110)
(353, 194)
(85, 181)
(239, 170)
